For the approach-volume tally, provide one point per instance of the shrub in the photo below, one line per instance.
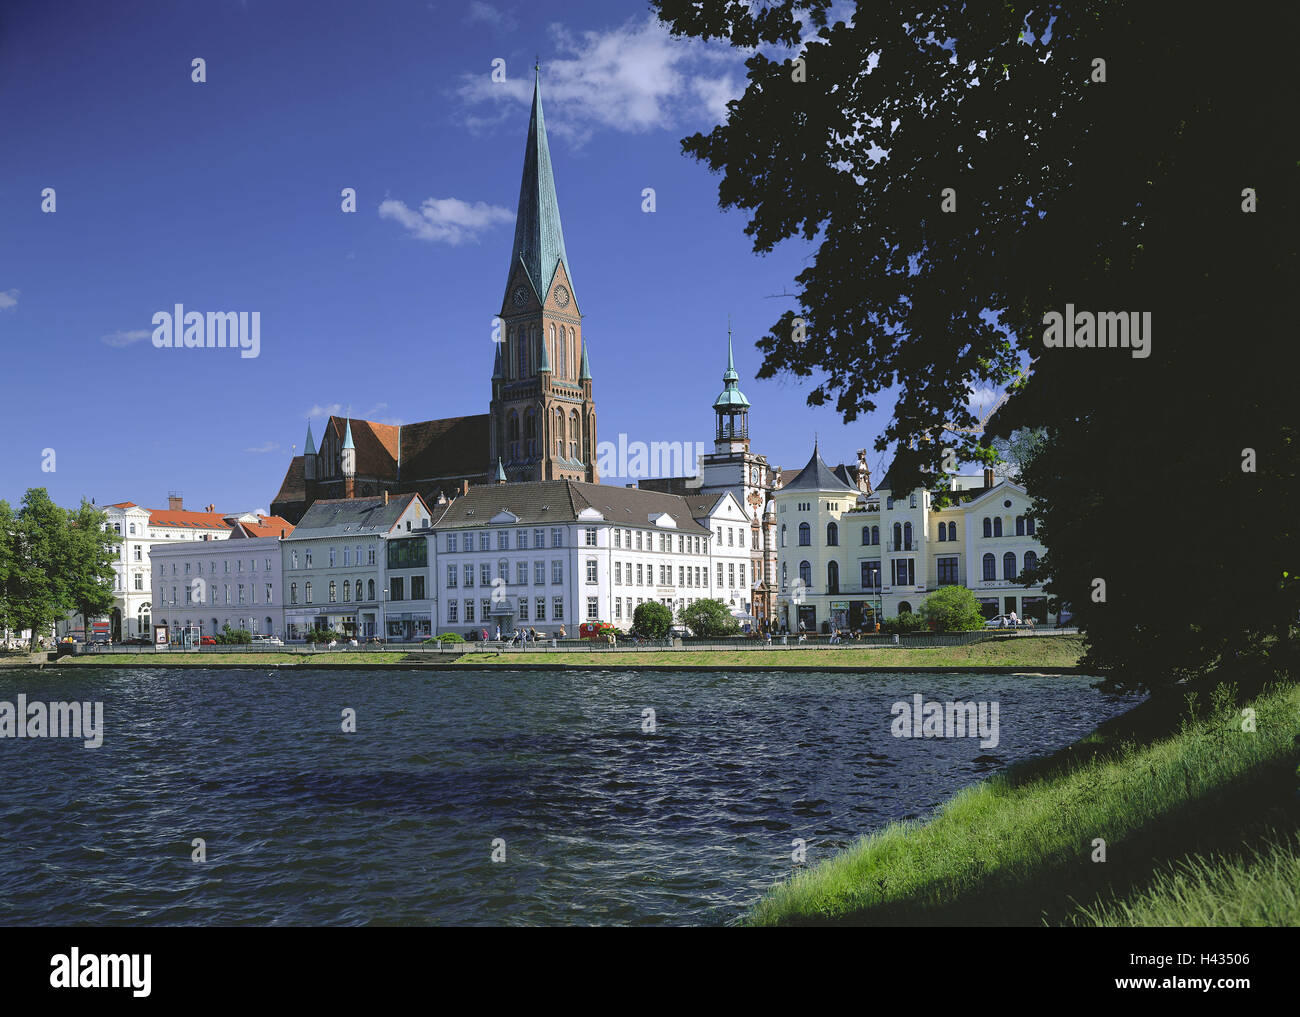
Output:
(905, 622)
(708, 618)
(652, 620)
(952, 609)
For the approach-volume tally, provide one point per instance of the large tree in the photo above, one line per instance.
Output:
(87, 555)
(963, 170)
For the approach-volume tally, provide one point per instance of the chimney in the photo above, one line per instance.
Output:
(174, 502)
(464, 487)
(385, 496)
(211, 508)
(988, 476)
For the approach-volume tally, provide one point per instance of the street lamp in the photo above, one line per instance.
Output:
(383, 617)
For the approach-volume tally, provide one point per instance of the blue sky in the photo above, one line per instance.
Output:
(225, 195)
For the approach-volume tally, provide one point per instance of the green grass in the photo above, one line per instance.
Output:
(268, 657)
(1190, 811)
(1045, 651)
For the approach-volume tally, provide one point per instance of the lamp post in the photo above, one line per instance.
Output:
(383, 618)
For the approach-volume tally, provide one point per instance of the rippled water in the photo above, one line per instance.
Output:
(602, 823)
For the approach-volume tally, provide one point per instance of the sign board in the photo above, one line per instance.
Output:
(160, 636)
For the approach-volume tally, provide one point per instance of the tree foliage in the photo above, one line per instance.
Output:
(708, 618)
(1128, 194)
(952, 609)
(652, 620)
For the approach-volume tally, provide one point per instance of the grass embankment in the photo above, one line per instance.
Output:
(1029, 652)
(1199, 819)
(189, 659)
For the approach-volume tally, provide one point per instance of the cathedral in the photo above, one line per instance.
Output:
(541, 420)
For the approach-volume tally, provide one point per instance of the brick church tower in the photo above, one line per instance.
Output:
(543, 418)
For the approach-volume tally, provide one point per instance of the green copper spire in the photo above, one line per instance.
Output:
(347, 438)
(501, 472)
(310, 449)
(496, 367)
(539, 239)
(585, 373)
(731, 397)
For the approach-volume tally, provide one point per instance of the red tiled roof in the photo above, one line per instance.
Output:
(122, 504)
(266, 526)
(183, 519)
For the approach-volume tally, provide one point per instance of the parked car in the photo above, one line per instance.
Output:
(1001, 621)
(207, 641)
(267, 640)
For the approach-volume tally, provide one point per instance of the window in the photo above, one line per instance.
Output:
(485, 574)
(805, 535)
(332, 555)
(557, 609)
(139, 582)
(911, 500)
(1031, 562)
(1029, 523)
(469, 575)
(832, 535)
(268, 594)
(591, 570)
(904, 607)
(539, 573)
(866, 534)
(719, 575)
(1020, 526)
(592, 611)
(521, 573)
(347, 591)
(417, 587)
(521, 539)
(503, 540)
(334, 592)
(539, 538)
(540, 604)
(902, 571)
(451, 546)
(306, 560)
(618, 538)
(898, 537)
(347, 557)
(618, 573)
(948, 571)
(485, 541)
(557, 571)
(523, 609)
(990, 566)
(591, 536)
(469, 610)
(988, 527)
(453, 577)
(805, 572)
(557, 537)
(370, 589)
(1009, 565)
(136, 551)
(871, 575)
(952, 531)
(889, 503)
(307, 591)
(943, 531)
(453, 611)
(997, 526)
(833, 577)
(907, 536)
(639, 579)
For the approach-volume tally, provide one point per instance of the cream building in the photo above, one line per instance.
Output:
(849, 555)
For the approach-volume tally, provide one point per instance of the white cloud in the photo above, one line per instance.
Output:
(489, 15)
(269, 446)
(8, 298)
(634, 78)
(445, 220)
(119, 339)
(329, 410)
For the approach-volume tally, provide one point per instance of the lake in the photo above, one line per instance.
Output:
(603, 822)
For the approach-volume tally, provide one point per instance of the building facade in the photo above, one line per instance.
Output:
(850, 558)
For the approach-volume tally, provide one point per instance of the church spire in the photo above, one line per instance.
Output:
(539, 238)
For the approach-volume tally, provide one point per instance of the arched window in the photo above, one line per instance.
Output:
(866, 534)
(952, 531)
(575, 430)
(988, 527)
(783, 573)
(358, 589)
(1020, 526)
(943, 531)
(559, 354)
(904, 607)
(559, 433)
(334, 591)
(370, 590)
(898, 536)
(990, 567)
(875, 534)
(997, 526)
(833, 577)
(805, 573)
(832, 535)
(142, 618)
(573, 347)
(907, 536)
(530, 434)
(293, 593)
(1031, 561)
(783, 534)
(1029, 524)
(1009, 565)
(805, 535)
(307, 592)
(347, 591)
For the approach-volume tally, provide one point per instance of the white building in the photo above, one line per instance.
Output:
(552, 554)
(849, 557)
(337, 571)
(235, 581)
(131, 616)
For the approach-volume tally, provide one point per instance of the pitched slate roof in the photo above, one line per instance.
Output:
(561, 501)
(293, 488)
(817, 476)
(336, 517)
